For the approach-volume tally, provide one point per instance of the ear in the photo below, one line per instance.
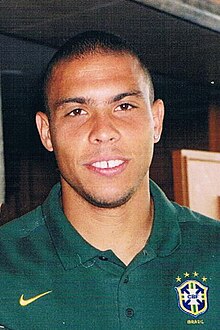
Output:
(43, 127)
(158, 115)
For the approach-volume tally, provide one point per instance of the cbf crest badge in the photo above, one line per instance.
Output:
(192, 296)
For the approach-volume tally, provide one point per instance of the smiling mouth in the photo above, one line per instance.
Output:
(107, 164)
(108, 168)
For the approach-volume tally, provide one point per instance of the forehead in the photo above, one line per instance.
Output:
(96, 65)
(96, 76)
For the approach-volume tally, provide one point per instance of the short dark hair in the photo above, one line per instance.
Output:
(93, 42)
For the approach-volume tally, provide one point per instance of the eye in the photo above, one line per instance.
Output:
(124, 107)
(77, 112)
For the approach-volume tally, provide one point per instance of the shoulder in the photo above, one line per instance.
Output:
(193, 228)
(186, 215)
(31, 222)
(22, 226)
(26, 246)
(197, 227)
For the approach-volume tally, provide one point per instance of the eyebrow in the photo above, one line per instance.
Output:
(80, 100)
(83, 100)
(121, 96)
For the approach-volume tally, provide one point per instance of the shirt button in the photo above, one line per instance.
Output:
(129, 312)
(103, 258)
(126, 279)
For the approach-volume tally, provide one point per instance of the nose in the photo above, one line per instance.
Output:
(103, 131)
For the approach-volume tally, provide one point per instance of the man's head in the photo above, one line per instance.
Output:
(93, 42)
(103, 122)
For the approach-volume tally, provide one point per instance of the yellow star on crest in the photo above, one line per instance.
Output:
(195, 274)
(204, 279)
(178, 279)
(186, 274)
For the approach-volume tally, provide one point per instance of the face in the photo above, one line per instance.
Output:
(102, 127)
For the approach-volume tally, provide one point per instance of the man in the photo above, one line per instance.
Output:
(106, 250)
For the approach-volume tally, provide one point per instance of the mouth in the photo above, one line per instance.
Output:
(108, 167)
(108, 163)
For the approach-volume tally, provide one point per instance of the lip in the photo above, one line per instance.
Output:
(108, 171)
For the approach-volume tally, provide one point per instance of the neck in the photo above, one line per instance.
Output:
(124, 229)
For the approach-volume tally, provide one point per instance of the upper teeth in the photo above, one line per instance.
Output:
(108, 164)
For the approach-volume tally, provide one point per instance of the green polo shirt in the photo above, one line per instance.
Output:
(51, 278)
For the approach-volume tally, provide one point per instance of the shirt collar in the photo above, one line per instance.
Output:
(73, 250)
(165, 235)
(70, 247)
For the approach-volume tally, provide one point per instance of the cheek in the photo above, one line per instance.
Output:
(71, 130)
(143, 131)
(62, 136)
(62, 143)
(144, 143)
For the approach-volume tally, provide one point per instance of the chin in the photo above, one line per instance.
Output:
(107, 203)
(108, 200)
